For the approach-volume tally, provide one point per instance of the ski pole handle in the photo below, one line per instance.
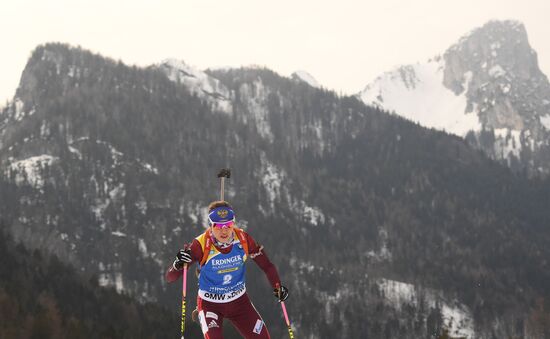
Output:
(222, 188)
(224, 173)
(183, 308)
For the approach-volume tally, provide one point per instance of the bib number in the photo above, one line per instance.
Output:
(227, 279)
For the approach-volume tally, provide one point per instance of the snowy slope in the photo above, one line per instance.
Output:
(489, 82)
(457, 318)
(199, 83)
(417, 93)
(30, 170)
(306, 77)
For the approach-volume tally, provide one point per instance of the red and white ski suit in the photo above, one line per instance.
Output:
(240, 312)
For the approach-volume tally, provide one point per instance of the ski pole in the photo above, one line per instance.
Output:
(183, 300)
(290, 333)
(224, 173)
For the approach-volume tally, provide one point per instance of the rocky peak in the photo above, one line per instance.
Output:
(495, 48)
(57, 69)
(503, 70)
(198, 82)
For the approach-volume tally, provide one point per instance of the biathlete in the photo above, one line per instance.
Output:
(221, 252)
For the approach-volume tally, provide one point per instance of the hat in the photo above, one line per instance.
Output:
(221, 214)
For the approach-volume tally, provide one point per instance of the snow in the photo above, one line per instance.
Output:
(150, 168)
(141, 205)
(30, 168)
(456, 317)
(508, 142)
(194, 217)
(19, 113)
(104, 280)
(505, 88)
(383, 253)
(197, 212)
(199, 83)
(317, 127)
(118, 192)
(116, 155)
(255, 97)
(44, 130)
(313, 215)
(496, 71)
(98, 210)
(545, 121)
(73, 72)
(53, 57)
(398, 293)
(142, 246)
(458, 321)
(119, 284)
(119, 234)
(307, 78)
(417, 93)
(115, 279)
(271, 180)
(75, 151)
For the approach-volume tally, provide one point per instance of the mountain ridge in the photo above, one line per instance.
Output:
(313, 172)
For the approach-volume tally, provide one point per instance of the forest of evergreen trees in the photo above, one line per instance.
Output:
(453, 220)
(41, 298)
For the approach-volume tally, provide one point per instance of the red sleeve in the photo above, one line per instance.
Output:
(196, 254)
(257, 253)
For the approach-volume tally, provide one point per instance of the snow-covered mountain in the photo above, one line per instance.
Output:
(366, 215)
(417, 92)
(305, 77)
(487, 86)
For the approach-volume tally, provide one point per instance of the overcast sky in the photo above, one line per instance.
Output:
(344, 44)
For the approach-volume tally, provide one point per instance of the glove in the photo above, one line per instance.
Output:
(182, 257)
(281, 293)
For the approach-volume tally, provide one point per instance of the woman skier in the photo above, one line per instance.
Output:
(221, 252)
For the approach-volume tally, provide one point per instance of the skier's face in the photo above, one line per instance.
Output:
(223, 235)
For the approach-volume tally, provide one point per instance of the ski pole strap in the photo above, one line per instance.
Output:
(290, 333)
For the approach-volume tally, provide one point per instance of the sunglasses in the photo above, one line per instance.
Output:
(222, 225)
